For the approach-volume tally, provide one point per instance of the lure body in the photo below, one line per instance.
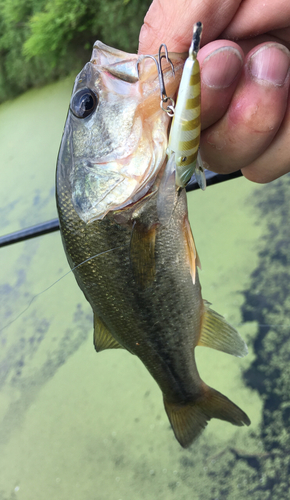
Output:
(185, 128)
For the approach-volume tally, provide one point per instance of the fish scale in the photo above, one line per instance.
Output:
(147, 318)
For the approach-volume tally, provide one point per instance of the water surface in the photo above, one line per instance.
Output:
(79, 425)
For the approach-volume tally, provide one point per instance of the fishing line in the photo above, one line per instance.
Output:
(84, 262)
(59, 279)
(264, 325)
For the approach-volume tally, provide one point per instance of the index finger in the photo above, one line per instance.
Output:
(256, 17)
(171, 22)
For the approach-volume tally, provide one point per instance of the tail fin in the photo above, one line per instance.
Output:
(189, 420)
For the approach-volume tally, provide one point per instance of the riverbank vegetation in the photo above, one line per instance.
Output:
(42, 40)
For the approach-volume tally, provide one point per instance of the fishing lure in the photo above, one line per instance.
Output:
(184, 158)
(185, 128)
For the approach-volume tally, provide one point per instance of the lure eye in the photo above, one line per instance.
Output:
(83, 103)
(180, 160)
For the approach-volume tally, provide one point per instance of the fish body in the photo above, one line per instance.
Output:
(139, 276)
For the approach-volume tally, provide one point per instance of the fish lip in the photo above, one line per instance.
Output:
(109, 158)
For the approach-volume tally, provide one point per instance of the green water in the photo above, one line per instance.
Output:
(80, 426)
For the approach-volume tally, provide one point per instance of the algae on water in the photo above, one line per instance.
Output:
(265, 475)
(80, 425)
(268, 303)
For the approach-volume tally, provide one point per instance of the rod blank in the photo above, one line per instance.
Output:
(53, 225)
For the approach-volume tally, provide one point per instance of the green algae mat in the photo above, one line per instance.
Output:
(84, 426)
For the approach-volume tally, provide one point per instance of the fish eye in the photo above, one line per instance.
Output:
(83, 103)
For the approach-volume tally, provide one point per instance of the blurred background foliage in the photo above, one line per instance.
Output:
(42, 40)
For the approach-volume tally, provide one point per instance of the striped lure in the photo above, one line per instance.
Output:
(185, 128)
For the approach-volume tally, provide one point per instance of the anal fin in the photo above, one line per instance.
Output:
(103, 339)
(217, 333)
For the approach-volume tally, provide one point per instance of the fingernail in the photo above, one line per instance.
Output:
(221, 67)
(216, 140)
(270, 63)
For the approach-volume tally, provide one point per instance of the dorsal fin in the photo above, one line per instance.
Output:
(103, 339)
(218, 334)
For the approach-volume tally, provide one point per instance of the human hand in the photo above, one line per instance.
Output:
(245, 102)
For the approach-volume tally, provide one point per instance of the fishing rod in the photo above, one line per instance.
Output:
(53, 225)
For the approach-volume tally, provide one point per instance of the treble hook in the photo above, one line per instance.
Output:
(160, 72)
(164, 97)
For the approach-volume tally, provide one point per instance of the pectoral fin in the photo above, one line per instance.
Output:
(218, 334)
(103, 339)
(199, 172)
(166, 192)
(142, 253)
(192, 255)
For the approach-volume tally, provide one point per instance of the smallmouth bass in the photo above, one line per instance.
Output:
(138, 272)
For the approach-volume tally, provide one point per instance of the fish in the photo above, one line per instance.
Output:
(138, 274)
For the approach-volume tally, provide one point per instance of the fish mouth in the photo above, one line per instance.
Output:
(123, 171)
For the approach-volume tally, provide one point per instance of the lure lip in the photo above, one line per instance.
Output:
(196, 38)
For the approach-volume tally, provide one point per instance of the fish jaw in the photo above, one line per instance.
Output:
(113, 156)
(120, 180)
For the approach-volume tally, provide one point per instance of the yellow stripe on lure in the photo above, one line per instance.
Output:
(185, 128)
